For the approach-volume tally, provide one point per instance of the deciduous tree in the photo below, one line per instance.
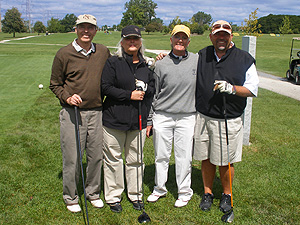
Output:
(12, 22)
(202, 18)
(68, 22)
(252, 27)
(154, 26)
(138, 12)
(54, 26)
(39, 27)
(286, 26)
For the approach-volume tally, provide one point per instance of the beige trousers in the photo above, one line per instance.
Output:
(90, 128)
(114, 141)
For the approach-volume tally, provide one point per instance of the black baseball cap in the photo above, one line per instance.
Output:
(131, 30)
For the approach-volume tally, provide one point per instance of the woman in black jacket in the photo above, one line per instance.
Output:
(126, 81)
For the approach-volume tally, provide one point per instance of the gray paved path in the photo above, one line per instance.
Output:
(279, 85)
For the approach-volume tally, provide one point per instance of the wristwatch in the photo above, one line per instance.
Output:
(234, 90)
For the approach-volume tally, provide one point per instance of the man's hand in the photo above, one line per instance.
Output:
(150, 62)
(223, 86)
(74, 100)
(141, 85)
(161, 55)
(149, 131)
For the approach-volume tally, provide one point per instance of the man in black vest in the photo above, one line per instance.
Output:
(223, 69)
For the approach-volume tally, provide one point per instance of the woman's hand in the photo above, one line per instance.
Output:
(137, 95)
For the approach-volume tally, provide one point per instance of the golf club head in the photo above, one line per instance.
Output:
(144, 218)
(228, 217)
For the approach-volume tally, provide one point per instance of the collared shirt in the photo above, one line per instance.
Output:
(179, 57)
(251, 81)
(78, 48)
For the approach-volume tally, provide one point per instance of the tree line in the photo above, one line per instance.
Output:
(279, 23)
(142, 13)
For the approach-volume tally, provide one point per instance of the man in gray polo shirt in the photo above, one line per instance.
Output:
(174, 116)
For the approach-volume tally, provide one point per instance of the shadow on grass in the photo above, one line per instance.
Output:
(197, 183)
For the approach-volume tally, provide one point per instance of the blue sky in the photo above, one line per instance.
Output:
(109, 12)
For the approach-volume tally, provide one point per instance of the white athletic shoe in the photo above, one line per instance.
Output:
(154, 197)
(74, 208)
(97, 203)
(180, 203)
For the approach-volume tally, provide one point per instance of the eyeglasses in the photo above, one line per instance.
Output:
(218, 26)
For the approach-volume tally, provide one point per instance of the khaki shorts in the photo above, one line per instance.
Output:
(210, 140)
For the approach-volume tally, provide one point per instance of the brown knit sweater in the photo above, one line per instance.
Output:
(74, 73)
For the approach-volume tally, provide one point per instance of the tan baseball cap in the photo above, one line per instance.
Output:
(86, 18)
(181, 28)
(221, 25)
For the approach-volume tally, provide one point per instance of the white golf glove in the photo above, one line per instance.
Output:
(141, 85)
(223, 86)
(150, 62)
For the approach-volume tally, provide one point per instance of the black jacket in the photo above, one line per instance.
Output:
(117, 83)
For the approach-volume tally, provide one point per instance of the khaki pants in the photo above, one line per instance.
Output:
(114, 141)
(90, 129)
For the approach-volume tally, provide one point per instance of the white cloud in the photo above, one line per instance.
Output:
(109, 12)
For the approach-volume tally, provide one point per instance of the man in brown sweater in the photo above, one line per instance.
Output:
(75, 80)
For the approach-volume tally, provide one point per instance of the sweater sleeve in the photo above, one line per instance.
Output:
(108, 84)
(57, 79)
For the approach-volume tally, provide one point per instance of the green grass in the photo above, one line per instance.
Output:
(266, 186)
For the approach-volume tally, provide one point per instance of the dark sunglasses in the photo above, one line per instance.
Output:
(225, 26)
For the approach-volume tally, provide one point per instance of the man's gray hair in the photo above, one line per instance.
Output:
(120, 50)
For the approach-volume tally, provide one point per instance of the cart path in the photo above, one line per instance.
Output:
(279, 85)
(276, 84)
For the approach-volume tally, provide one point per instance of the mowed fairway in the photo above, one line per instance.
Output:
(266, 185)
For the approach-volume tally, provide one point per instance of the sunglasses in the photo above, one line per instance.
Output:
(218, 26)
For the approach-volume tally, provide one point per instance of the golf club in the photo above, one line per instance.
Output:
(80, 159)
(143, 218)
(229, 216)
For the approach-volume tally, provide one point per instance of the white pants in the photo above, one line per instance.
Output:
(114, 141)
(177, 128)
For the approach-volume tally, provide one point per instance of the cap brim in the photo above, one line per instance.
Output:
(129, 35)
(187, 34)
(86, 22)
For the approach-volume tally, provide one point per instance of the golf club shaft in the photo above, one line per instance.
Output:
(227, 142)
(80, 159)
(141, 148)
